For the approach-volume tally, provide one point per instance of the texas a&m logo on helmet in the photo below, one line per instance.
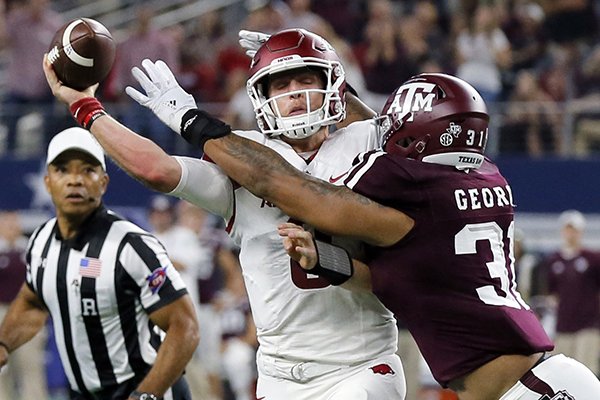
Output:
(410, 98)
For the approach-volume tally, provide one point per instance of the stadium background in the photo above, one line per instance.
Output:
(547, 178)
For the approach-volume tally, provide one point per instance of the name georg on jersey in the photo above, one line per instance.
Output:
(485, 197)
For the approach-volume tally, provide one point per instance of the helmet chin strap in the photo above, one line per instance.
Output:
(420, 145)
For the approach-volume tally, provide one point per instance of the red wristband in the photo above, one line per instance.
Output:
(86, 111)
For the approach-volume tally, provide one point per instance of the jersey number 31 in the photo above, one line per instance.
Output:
(465, 242)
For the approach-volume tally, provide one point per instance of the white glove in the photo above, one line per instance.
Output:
(251, 41)
(163, 95)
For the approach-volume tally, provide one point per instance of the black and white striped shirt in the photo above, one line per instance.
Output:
(99, 289)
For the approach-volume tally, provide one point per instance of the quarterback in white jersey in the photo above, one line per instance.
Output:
(303, 322)
(317, 340)
(286, 302)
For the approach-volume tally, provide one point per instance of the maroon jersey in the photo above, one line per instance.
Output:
(451, 280)
(576, 282)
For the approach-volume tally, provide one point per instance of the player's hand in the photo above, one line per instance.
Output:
(163, 95)
(251, 41)
(299, 244)
(64, 93)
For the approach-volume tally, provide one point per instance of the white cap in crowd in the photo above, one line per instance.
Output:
(75, 139)
(161, 203)
(573, 218)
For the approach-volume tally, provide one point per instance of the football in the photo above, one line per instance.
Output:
(82, 53)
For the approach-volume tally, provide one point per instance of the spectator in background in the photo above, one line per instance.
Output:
(344, 16)
(26, 32)
(385, 60)
(239, 112)
(483, 51)
(532, 281)
(523, 29)
(574, 281)
(199, 73)
(423, 34)
(143, 41)
(525, 265)
(352, 68)
(532, 120)
(25, 376)
(266, 16)
(300, 15)
(184, 251)
(585, 105)
(219, 263)
(238, 336)
(554, 74)
(569, 21)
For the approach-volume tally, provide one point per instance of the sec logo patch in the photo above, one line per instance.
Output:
(156, 279)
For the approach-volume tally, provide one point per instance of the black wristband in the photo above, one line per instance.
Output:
(143, 396)
(334, 263)
(198, 126)
(2, 344)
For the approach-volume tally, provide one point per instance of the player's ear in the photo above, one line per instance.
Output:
(47, 182)
(104, 182)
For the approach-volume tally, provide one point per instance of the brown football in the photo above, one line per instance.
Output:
(82, 53)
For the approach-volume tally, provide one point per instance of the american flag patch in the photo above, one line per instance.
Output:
(90, 267)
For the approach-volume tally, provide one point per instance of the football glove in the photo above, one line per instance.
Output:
(251, 41)
(163, 95)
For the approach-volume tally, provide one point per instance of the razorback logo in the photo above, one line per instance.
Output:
(383, 369)
(562, 395)
(412, 97)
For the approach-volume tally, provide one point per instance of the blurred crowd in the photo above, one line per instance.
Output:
(537, 62)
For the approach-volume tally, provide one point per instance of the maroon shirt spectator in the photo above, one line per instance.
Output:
(575, 279)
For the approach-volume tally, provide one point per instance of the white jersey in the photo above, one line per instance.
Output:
(298, 316)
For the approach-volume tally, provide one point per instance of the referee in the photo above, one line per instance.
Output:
(109, 287)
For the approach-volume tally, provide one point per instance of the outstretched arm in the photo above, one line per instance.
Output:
(331, 209)
(138, 156)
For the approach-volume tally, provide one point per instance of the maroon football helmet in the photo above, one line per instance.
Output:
(288, 50)
(436, 118)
